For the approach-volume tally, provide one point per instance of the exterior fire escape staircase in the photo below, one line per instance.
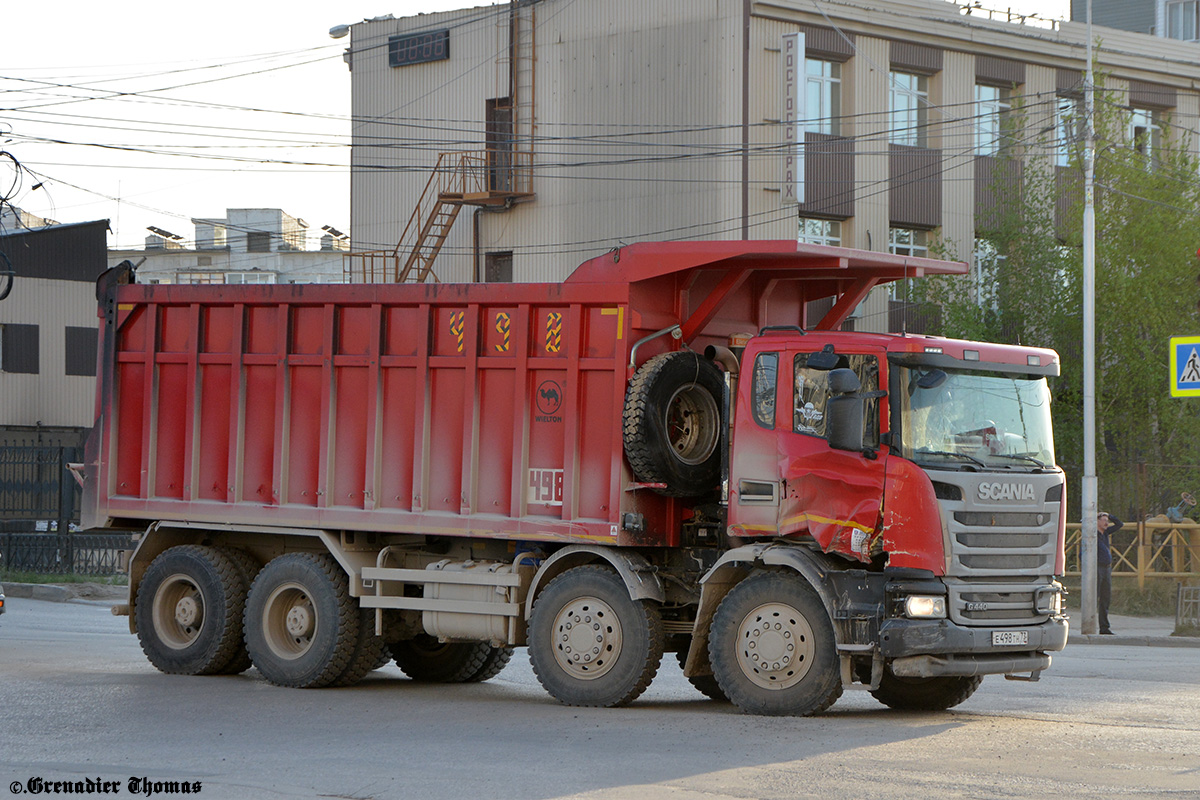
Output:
(499, 175)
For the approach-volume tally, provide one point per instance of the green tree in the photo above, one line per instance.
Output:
(1027, 288)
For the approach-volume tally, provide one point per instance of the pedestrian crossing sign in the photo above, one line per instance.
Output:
(1185, 366)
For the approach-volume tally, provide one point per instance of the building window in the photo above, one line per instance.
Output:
(985, 275)
(201, 277)
(203, 261)
(81, 351)
(497, 267)
(909, 107)
(1144, 132)
(250, 277)
(1183, 20)
(820, 231)
(992, 105)
(19, 349)
(258, 242)
(1068, 125)
(906, 242)
(823, 103)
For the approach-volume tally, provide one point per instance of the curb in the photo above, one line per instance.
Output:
(1135, 641)
(52, 593)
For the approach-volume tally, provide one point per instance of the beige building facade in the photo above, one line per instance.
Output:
(597, 124)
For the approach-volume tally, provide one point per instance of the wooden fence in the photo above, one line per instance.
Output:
(1148, 550)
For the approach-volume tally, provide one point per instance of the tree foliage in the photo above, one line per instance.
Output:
(1027, 288)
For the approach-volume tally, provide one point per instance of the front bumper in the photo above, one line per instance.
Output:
(930, 648)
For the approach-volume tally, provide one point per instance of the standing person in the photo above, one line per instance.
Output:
(1106, 526)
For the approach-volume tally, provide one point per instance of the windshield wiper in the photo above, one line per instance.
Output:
(970, 458)
(1030, 459)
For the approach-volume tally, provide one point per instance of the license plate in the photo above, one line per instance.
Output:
(1009, 638)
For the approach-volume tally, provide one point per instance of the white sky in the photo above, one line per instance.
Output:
(63, 65)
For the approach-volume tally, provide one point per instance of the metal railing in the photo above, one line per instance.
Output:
(1187, 607)
(64, 554)
(1146, 550)
(473, 177)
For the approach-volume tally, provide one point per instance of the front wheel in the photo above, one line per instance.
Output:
(590, 644)
(773, 649)
(302, 626)
(925, 694)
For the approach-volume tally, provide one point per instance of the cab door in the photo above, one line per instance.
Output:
(834, 496)
(785, 479)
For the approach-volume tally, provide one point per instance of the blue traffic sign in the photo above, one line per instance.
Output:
(1185, 366)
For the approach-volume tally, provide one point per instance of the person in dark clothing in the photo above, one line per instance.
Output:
(1106, 526)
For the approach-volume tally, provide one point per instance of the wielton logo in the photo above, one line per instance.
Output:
(549, 401)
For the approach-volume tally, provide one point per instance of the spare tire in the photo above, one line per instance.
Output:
(672, 423)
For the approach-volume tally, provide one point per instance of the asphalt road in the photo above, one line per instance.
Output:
(78, 700)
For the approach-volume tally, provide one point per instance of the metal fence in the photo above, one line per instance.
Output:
(35, 484)
(64, 554)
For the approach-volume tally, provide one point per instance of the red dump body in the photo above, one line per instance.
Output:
(463, 410)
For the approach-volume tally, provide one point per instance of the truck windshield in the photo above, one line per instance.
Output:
(989, 419)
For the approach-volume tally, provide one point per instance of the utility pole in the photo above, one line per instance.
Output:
(1088, 544)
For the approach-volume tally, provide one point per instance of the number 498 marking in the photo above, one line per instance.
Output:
(545, 487)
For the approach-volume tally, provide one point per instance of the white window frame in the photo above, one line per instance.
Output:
(912, 242)
(992, 104)
(823, 85)
(1183, 20)
(985, 273)
(820, 231)
(200, 278)
(1068, 128)
(255, 277)
(908, 104)
(1144, 132)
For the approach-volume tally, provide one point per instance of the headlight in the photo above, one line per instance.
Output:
(919, 607)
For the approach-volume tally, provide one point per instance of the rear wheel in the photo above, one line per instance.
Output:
(247, 567)
(705, 684)
(423, 658)
(925, 694)
(188, 610)
(302, 626)
(590, 644)
(369, 651)
(773, 649)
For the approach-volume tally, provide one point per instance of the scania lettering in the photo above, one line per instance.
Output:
(672, 451)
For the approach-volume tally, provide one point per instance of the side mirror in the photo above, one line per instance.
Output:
(844, 412)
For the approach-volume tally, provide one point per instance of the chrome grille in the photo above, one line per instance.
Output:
(981, 602)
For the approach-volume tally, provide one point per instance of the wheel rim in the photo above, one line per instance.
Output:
(691, 429)
(289, 621)
(178, 611)
(775, 646)
(587, 638)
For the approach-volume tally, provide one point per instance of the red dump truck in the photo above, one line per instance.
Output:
(660, 454)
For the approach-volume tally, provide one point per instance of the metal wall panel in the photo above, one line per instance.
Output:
(50, 397)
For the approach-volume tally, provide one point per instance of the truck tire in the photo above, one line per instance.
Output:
(672, 423)
(369, 652)
(425, 659)
(247, 566)
(925, 694)
(189, 611)
(773, 649)
(590, 644)
(302, 626)
(497, 659)
(705, 684)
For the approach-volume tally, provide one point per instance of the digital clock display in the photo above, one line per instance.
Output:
(417, 48)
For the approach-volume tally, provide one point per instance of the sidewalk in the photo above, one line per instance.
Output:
(1135, 631)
